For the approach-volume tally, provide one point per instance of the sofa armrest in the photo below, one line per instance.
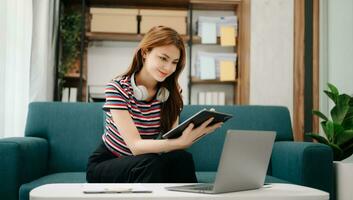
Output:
(304, 163)
(22, 159)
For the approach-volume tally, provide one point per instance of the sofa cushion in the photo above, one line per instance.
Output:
(77, 127)
(206, 177)
(272, 179)
(68, 177)
(73, 131)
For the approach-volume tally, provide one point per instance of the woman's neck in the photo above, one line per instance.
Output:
(143, 78)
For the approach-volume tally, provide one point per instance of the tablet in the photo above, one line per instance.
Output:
(197, 119)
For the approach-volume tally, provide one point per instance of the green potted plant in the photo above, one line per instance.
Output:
(339, 129)
(70, 36)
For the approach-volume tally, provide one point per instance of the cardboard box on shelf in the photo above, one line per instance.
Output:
(114, 20)
(176, 19)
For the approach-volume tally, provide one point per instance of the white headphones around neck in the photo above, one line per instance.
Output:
(141, 93)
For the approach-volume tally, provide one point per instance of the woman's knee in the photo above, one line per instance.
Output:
(156, 164)
(90, 178)
(151, 169)
(181, 155)
(146, 159)
(91, 174)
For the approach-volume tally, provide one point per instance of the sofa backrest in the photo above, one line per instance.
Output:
(206, 152)
(74, 130)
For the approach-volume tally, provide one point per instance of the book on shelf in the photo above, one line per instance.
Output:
(211, 98)
(221, 98)
(227, 70)
(208, 65)
(208, 98)
(201, 98)
(69, 95)
(207, 68)
(214, 98)
(219, 21)
(209, 33)
(227, 36)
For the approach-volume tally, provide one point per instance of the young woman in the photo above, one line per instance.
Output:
(140, 105)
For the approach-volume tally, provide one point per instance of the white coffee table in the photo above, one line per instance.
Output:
(275, 192)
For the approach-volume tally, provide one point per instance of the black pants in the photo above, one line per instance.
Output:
(172, 167)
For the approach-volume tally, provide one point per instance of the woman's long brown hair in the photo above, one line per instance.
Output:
(156, 37)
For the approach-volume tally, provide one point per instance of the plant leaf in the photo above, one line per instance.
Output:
(348, 120)
(320, 114)
(339, 111)
(337, 131)
(337, 151)
(351, 102)
(333, 89)
(323, 125)
(348, 151)
(318, 137)
(328, 128)
(331, 95)
(346, 144)
(344, 137)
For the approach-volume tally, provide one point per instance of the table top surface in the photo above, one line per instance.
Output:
(274, 191)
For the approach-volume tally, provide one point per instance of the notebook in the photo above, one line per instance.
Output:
(197, 119)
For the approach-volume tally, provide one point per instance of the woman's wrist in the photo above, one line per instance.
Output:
(174, 144)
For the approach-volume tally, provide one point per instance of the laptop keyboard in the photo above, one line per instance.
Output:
(207, 187)
(201, 187)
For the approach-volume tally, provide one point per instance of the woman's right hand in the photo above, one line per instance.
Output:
(191, 134)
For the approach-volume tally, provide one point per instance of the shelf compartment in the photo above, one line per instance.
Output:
(130, 37)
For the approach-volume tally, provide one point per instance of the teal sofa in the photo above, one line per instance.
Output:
(59, 137)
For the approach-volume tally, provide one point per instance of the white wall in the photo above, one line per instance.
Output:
(16, 34)
(271, 53)
(3, 14)
(340, 43)
(336, 48)
(106, 60)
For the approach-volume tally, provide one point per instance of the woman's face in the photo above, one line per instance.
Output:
(161, 61)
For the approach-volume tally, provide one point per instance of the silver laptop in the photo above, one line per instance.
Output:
(243, 164)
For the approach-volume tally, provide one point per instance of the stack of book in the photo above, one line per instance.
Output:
(211, 98)
(215, 66)
(225, 27)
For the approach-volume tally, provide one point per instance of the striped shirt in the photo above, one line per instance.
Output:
(145, 115)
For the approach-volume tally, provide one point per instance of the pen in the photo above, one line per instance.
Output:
(140, 191)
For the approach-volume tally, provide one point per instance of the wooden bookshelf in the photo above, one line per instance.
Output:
(215, 5)
(98, 36)
(241, 8)
(197, 40)
(131, 37)
(195, 80)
